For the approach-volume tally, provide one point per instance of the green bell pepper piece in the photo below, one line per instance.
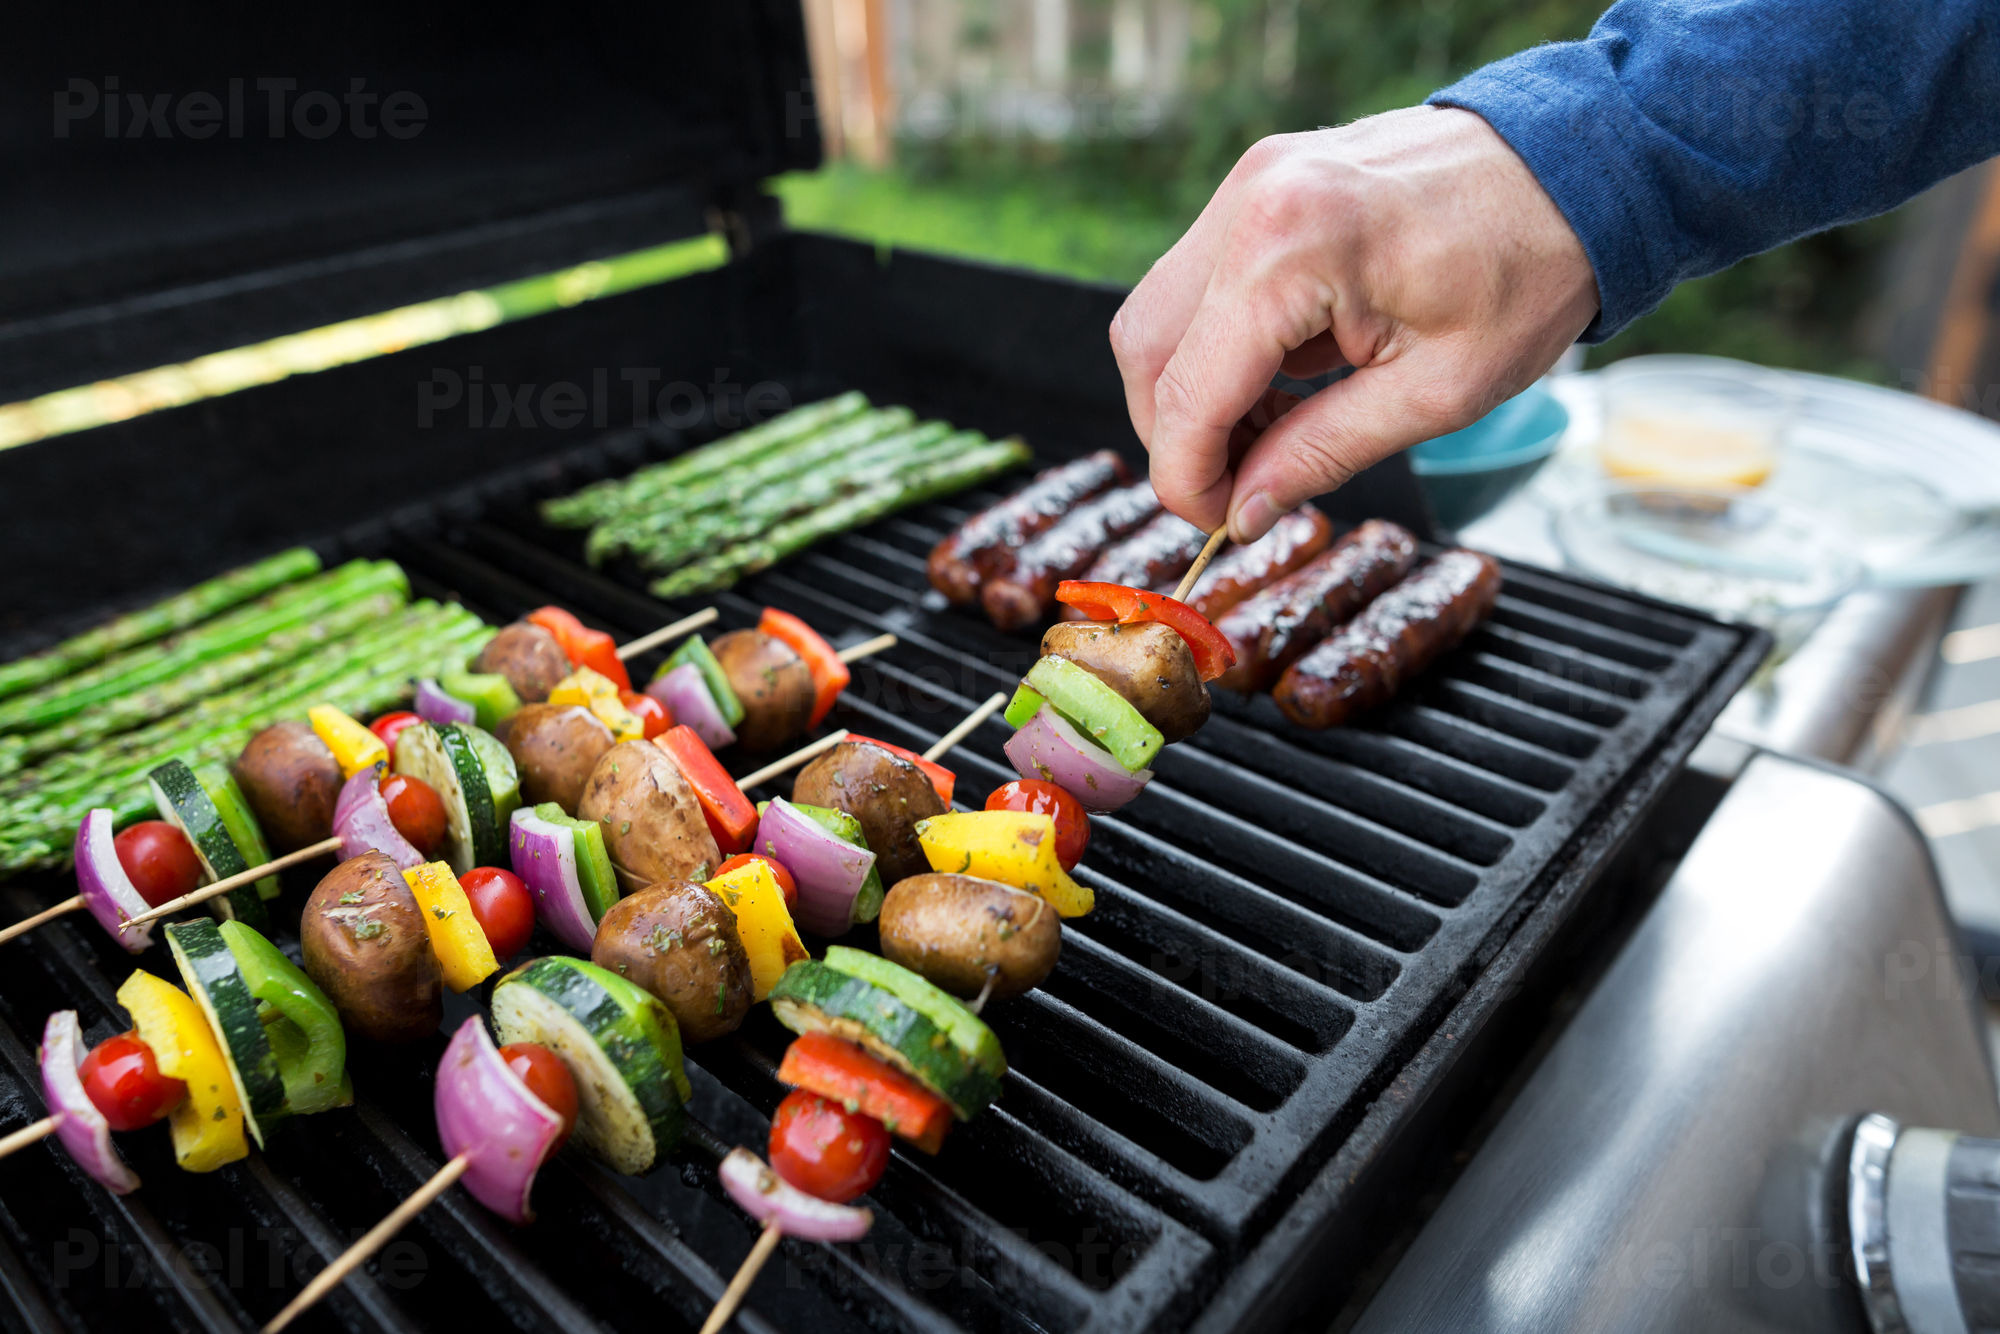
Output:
(1097, 710)
(693, 650)
(300, 1022)
(593, 863)
(492, 699)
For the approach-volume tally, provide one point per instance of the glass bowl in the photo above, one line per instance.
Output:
(1727, 551)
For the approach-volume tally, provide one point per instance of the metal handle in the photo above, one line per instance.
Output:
(1923, 1214)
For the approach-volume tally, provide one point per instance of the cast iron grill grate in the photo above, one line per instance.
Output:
(1283, 921)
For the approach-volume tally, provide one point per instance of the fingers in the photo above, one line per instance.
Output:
(1316, 356)
(1344, 428)
(1221, 370)
(1155, 316)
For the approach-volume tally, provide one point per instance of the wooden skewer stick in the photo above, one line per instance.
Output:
(27, 924)
(372, 1241)
(966, 726)
(27, 1135)
(791, 761)
(867, 648)
(666, 632)
(746, 1274)
(1208, 550)
(237, 881)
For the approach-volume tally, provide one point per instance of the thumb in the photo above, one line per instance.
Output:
(1345, 427)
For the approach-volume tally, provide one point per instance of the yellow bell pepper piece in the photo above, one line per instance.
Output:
(464, 954)
(598, 693)
(208, 1127)
(354, 747)
(1014, 847)
(764, 923)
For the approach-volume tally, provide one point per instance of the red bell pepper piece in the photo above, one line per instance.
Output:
(582, 645)
(841, 1072)
(830, 675)
(654, 716)
(941, 778)
(731, 816)
(1127, 606)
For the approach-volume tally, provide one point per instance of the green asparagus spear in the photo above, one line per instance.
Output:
(158, 662)
(913, 487)
(149, 703)
(162, 618)
(607, 539)
(606, 498)
(737, 509)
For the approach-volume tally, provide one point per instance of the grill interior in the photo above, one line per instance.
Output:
(1285, 921)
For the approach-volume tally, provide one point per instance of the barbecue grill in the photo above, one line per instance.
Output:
(1317, 959)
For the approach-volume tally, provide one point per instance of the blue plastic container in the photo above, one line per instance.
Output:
(1468, 472)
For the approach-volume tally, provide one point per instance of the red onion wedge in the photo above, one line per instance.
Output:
(768, 1198)
(485, 1112)
(103, 885)
(361, 819)
(686, 696)
(544, 856)
(829, 870)
(79, 1125)
(1048, 749)
(437, 705)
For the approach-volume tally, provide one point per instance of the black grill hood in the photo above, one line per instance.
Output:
(545, 137)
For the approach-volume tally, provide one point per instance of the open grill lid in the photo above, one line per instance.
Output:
(184, 182)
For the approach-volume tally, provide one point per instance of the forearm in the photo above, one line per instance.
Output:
(1683, 135)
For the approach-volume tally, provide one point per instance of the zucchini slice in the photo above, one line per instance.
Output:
(446, 758)
(503, 780)
(217, 986)
(620, 1043)
(966, 1030)
(813, 997)
(243, 828)
(182, 802)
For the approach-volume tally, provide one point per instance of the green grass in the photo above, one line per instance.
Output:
(1009, 222)
(1797, 306)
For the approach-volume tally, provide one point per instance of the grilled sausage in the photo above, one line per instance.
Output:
(1022, 595)
(1154, 558)
(984, 545)
(1237, 572)
(885, 792)
(1402, 632)
(1271, 630)
(774, 684)
(1146, 662)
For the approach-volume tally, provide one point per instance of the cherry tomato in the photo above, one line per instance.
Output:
(648, 711)
(158, 860)
(826, 1150)
(124, 1082)
(504, 907)
(784, 877)
(547, 1078)
(390, 725)
(1039, 798)
(416, 810)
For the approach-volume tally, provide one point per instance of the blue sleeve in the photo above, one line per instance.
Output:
(1683, 135)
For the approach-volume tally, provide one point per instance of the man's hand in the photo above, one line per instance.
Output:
(1415, 246)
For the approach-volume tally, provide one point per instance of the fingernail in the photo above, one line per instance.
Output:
(1253, 518)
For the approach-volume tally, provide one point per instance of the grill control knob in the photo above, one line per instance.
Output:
(1923, 1227)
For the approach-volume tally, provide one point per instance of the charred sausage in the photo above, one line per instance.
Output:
(1023, 594)
(1147, 663)
(984, 545)
(1154, 558)
(1272, 629)
(1402, 632)
(1237, 572)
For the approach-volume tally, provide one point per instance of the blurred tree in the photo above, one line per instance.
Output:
(1095, 175)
